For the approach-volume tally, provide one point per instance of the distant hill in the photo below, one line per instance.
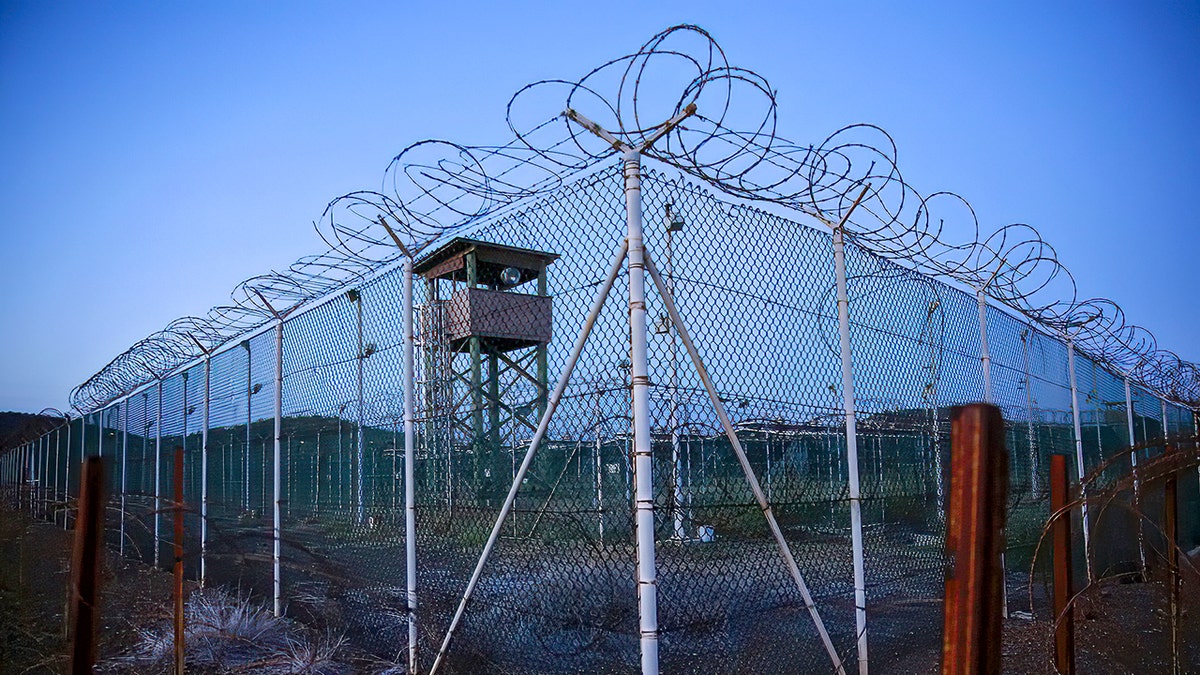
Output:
(18, 427)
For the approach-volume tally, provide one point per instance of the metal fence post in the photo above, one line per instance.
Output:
(47, 484)
(40, 476)
(1137, 486)
(32, 462)
(249, 413)
(410, 507)
(278, 438)
(1165, 432)
(204, 470)
(631, 162)
(124, 474)
(985, 357)
(1079, 466)
(158, 470)
(359, 448)
(66, 493)
(642, 450)
(54, 481)
(856, 530)
(1196, 443)
(985, 360)
(35, 477)
(27, 474)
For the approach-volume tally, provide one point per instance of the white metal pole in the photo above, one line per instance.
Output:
(35, 470)
(54, 482)
(360, 453)
(677, 500)
(599, 472)
(35, 452)
(249, 413)
(642, 457)
(1165, 431)
(157, 469)
(179, 488)
(67, 474)
(204, 470)
(856, 535)
(534, 443)
(40, 469)
(278, 438)
(124, 473)
(48, 482)
(985, 357)
(747, 469)
(82, 451)
(410, 503)
(1137, 487)
(1079, 467)
(35, 447)
(1034, 483)
(1196, 444)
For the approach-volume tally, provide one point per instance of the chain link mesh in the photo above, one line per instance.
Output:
(756, 292)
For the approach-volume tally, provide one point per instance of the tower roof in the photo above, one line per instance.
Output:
(448, 261)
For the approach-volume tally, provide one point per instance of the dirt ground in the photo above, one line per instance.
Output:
(34, 563)
(1121, 627)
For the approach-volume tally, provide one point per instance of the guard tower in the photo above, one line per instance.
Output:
(484, 337)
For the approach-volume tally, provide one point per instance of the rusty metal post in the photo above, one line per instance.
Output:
(1064, 632)
(178, 509)
(1171, 532)
(974, 541)
(85, 565)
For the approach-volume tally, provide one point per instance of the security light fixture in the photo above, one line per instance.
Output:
(510, 276)
(676, 224)
(352, 295)
(663, 325)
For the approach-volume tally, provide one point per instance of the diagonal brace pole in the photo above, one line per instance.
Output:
(738, 450)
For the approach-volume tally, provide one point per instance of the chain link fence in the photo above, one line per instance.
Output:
(756, 291)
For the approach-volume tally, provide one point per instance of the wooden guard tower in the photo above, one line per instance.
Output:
(481, 335)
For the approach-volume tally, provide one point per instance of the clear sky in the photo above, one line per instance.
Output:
(152, 155)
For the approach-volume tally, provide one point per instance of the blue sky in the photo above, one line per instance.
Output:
(154, 155)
